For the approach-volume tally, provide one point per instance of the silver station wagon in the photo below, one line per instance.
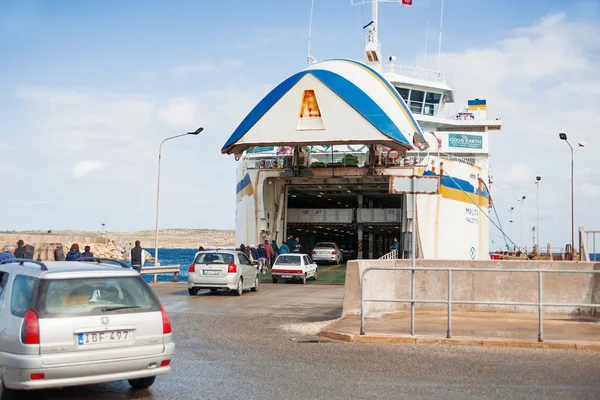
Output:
(77, 323)
(222, 269)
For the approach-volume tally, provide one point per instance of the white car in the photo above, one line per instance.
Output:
(222, 269)
(328, 252)
(79, 323)
(294, 266)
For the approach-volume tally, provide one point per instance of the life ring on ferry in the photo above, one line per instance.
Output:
(393, 155)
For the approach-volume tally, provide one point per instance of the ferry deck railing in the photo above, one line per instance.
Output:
(392, 255)
(449, 301)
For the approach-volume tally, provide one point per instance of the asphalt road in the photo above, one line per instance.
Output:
(230, 353)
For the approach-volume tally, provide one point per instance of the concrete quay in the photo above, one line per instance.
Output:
(470, 329)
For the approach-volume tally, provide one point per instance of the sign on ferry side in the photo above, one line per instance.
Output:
(460, 140)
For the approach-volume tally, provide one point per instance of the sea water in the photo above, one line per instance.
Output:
(183, 257)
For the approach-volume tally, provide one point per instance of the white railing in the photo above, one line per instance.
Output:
(416, 72)
(392, 255)
(449, 301)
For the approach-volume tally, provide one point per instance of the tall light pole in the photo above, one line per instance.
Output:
(196, 132)
(563, 136)
(511, 221)
(537, 212)
(521, 200)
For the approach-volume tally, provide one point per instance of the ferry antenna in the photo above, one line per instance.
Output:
(440, 38)
(309, 58)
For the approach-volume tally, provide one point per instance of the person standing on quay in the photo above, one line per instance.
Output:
(73, 254)
(136, 256)
(20, 250)
(87, 253)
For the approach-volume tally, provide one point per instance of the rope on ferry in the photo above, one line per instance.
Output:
(495, 212)
(488, 217)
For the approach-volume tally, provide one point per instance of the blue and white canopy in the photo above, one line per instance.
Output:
(330, 102)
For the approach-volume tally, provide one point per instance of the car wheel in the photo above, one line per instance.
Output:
(315, 275)
(275, 280)
(6, 393)
(142, 383)
(193, 291)
(256, 283)
(304, 279)
(240, 288)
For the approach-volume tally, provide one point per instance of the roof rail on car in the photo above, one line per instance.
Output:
(100, 260)
(22, 261)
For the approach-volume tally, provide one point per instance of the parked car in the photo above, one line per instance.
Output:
(222, 269)
(327, 252)
(296, 266)
(348, 253)
(79, 323)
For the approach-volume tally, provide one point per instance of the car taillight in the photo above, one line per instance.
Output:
(314, 252)
(37, 377)
(166, 321)
(333, 253)
(232, 269)
(165, 363)
(30, 333)
(192, 268)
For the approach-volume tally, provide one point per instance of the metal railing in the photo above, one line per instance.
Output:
(392, 255)
(416, 72)
(586, 249)
(539, 304)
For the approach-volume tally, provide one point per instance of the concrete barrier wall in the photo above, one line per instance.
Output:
(470, 286)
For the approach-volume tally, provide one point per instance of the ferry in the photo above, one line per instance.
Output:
(325, 155)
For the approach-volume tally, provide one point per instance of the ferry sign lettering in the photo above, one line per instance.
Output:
(472, 215)
(465, 141)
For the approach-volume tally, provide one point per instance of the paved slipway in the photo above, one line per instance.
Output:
(262, 346)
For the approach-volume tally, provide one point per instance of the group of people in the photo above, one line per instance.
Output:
(137, 255)
(265, 254)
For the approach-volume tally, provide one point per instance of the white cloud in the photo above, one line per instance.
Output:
(181, 113)
(591, 191)
(146, 75)
(542, 80)
(86, 167)
(206, 66)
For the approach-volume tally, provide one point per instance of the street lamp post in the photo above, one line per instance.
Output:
(512, 231)
(563, 136)
(537, 211)
(196, 132)
(521, 200)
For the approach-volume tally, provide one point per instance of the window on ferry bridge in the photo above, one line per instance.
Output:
(432, 101)
(403, 92)
(416, 101)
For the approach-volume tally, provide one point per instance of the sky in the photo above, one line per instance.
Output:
(90, 88)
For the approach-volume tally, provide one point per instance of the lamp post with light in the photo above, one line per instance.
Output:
(521, 200)
(196, 132)
(537, 211)
(563, 136)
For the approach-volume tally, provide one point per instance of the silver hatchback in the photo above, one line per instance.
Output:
(78, 323)
(222, 269)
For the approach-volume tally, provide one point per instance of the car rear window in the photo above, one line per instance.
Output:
(95, 296)
(22, 294)
(288, 260)
(214, 258)
(325, 246)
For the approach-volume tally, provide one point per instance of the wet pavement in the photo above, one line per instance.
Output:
(235, 347)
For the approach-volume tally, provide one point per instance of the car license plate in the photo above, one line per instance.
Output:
(87, 338)
(210, 272)
(286, 276)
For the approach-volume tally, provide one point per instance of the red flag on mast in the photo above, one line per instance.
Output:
(407, 3)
